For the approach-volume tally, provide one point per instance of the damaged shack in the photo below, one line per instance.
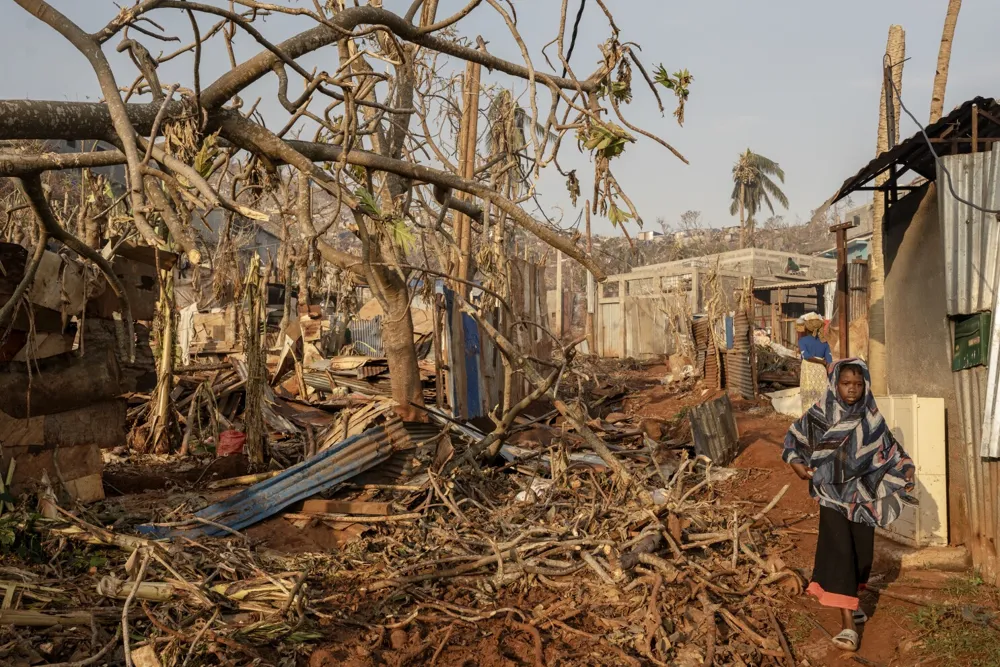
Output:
(941, 340)
(64, 371)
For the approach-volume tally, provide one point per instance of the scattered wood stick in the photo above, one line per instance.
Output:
(353, 518)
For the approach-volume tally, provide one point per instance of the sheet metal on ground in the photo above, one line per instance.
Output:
(713, 427)
(330, 467)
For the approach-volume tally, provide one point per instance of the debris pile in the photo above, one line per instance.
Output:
(550, 544)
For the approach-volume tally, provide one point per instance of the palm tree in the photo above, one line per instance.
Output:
(753, 187)
(944, 59)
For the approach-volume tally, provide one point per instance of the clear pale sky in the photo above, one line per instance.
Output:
(795, 80)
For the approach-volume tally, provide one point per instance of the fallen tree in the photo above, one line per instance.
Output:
(208, 149)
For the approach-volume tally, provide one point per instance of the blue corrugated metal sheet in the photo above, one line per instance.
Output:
(470, 342)
(470, 328)
(330, 467)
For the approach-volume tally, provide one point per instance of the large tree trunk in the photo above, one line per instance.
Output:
(944, 60)
(896, 50)
(397, 341)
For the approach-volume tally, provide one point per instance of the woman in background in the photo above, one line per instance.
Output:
(816, 357)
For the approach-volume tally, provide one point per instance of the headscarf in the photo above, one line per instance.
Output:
(814, 327)
(860, 469)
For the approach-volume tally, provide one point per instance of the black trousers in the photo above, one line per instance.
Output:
(843, 563)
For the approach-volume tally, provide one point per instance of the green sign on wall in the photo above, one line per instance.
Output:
(972, 341)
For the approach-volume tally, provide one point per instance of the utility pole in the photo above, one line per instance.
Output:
(468, 133)
(468, 137)
(843, 288)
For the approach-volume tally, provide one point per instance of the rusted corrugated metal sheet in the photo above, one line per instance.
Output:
(706, 352)
(857, 282)
(971, 238)
(739, 373)
(982, 476)
(713, 427)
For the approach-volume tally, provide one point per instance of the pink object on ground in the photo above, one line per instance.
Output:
(230, 442)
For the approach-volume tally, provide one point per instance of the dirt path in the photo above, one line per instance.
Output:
(894, 631)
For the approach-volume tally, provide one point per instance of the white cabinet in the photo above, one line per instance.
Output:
(919, 426)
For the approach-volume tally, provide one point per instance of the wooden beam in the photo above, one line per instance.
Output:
(975, 128)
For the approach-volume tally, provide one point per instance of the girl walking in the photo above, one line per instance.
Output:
(860, 475)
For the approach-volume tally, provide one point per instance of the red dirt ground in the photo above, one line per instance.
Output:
(889, 631)
(887, 641)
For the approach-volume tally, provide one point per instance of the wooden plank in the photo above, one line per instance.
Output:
(346, 507)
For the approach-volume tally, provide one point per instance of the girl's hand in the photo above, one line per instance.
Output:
(802, 471)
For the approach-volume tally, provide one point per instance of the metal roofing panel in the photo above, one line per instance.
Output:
(332, 466)
(971, 238)
(914, 152)
(714, 430)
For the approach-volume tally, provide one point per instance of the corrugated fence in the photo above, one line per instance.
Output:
(739, 373)
(971, 241)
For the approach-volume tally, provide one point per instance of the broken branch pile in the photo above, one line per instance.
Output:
(561, 553)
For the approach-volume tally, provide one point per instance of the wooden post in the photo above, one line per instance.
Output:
(843, 292)
(591, 296)
(622, 288)
(439, 385)
(752, 357)
(468, 137)
(695, 292)
(463, 232)
(559, 294)
(975, 128)
(776, 332)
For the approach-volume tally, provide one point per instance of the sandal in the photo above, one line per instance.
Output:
(847, 640)
(860, 617)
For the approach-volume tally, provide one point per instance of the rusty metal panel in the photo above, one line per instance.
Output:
(707, 355)
(857, 283)
(713, 427)
(971, 238)
(739, 373)
(982, 482)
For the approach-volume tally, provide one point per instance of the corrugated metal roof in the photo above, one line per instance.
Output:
(913, 154)
(971, 238)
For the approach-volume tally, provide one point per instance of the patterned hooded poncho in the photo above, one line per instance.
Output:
(859, 468)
